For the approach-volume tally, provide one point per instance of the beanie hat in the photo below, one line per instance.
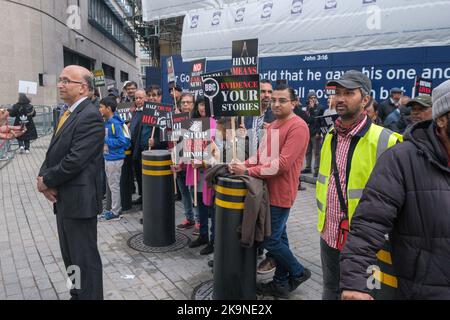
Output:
(441, 99)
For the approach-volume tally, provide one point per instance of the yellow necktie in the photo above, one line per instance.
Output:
(63, 119)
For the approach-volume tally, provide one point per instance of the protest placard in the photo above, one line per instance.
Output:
(230, 96)
(99, 78)
(198, 68)
(245, 57)
(423, 87)
(124, 112)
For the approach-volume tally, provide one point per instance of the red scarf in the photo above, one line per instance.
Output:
(344, 130)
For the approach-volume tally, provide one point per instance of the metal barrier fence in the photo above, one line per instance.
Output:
(43, 121)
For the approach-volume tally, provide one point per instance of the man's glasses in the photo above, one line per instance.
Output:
(67, 81)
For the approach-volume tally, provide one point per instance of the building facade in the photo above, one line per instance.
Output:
(40, 37)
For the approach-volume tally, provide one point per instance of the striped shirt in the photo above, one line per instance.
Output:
(334, 214)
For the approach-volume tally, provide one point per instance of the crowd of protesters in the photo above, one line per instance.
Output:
(382, 169)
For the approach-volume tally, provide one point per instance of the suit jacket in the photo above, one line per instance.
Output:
(73, 163)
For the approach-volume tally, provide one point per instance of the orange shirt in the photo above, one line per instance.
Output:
(280, 159)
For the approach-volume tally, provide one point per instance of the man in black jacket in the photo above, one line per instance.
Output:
(70, 179)
(391, 104)
(313, 110)
(407, 197)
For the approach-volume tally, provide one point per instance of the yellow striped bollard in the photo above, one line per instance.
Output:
(385, 275)
(234, 265)
(158, 199)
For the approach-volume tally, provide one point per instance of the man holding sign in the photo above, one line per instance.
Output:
(289, 136)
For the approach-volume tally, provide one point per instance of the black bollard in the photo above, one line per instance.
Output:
(385, 276)
(234, 265)
(126, 182)
(158, 199)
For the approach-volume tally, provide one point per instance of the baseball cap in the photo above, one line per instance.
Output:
(312, 93)
(353, 80)
(177, 87)
(114, 92)
(125, 84)
(396, 90)
(424, 101)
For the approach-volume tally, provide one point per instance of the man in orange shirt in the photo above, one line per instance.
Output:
(286, 142)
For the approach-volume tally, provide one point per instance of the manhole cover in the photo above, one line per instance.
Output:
(136, 242)
(203, 291)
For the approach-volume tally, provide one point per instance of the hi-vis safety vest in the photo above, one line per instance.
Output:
(368, 149)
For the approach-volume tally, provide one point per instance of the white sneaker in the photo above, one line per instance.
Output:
(21, 149)
(27, 151)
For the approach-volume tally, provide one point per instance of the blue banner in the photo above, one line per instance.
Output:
(386, 69)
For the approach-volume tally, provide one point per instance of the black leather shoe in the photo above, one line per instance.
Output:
(273, 289)
(295, 282)
(208, 249)
(137, 201)
(211, 263)
(201, 240)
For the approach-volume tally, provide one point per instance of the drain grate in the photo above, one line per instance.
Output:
(136, 242)
(204, 291)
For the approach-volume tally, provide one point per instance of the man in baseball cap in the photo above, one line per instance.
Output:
(354, 140)
(421, 109)
(354, 82)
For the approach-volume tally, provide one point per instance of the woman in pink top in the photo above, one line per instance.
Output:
(205, 195)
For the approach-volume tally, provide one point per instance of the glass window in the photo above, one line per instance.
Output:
(104, 19)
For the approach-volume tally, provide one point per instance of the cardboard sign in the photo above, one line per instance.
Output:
(232, 96)
(326, 122)
(196, 137)
(176, 125)
(123, 110)
(423, 87)
(27, 87)
(245, 57)
(198, 68)
(99, 78)
(157, 115)
(170, 70)
(330, 90)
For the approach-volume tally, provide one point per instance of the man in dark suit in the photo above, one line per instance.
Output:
(70, 179)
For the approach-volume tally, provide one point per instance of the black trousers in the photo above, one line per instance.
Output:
(78, 242)
(126, 183)
(24, 143)
(330, 271)
(137, 167)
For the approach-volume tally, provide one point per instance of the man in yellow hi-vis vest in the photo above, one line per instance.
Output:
(348, 155)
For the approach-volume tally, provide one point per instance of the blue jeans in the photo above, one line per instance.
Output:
(185, 196)
(278, 246)
(204, 212)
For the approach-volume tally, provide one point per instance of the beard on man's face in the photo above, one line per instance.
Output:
(448, 126)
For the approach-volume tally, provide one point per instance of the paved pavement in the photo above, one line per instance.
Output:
(31, 266)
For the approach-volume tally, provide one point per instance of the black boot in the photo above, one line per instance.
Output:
(208, 249)
(201, 240)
